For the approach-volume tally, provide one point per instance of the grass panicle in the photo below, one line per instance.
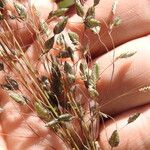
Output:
(55, 96)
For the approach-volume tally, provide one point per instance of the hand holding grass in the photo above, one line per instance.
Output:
(119, 94)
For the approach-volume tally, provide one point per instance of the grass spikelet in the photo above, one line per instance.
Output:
(133, 118)
(144, 89)
(114, 139)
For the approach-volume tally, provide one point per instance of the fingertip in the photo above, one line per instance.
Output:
(131, 136)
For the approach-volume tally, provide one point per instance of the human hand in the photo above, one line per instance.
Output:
(118, 97)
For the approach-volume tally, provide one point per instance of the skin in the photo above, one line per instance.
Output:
(118, 97)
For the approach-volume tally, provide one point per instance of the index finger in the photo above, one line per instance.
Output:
(135, 18)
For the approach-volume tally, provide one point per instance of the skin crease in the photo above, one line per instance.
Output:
(129, 75)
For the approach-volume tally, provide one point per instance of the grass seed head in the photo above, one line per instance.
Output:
(126, 54)
(96, 2)
(144, 89)
(133, 117)
(21, 10)
(13, 83)
(79, 8)
(57, 13)
(49, 44)
(41, 111)
(1, 16)
(60, 26)
(74, 37)
(90, 12)
(19, 98)
(1, 66)
(114, 7)
(114, 139)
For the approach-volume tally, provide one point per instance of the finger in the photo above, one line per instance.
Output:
(120, 91)
(24, 31)
(135, 23)
(133, 136)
